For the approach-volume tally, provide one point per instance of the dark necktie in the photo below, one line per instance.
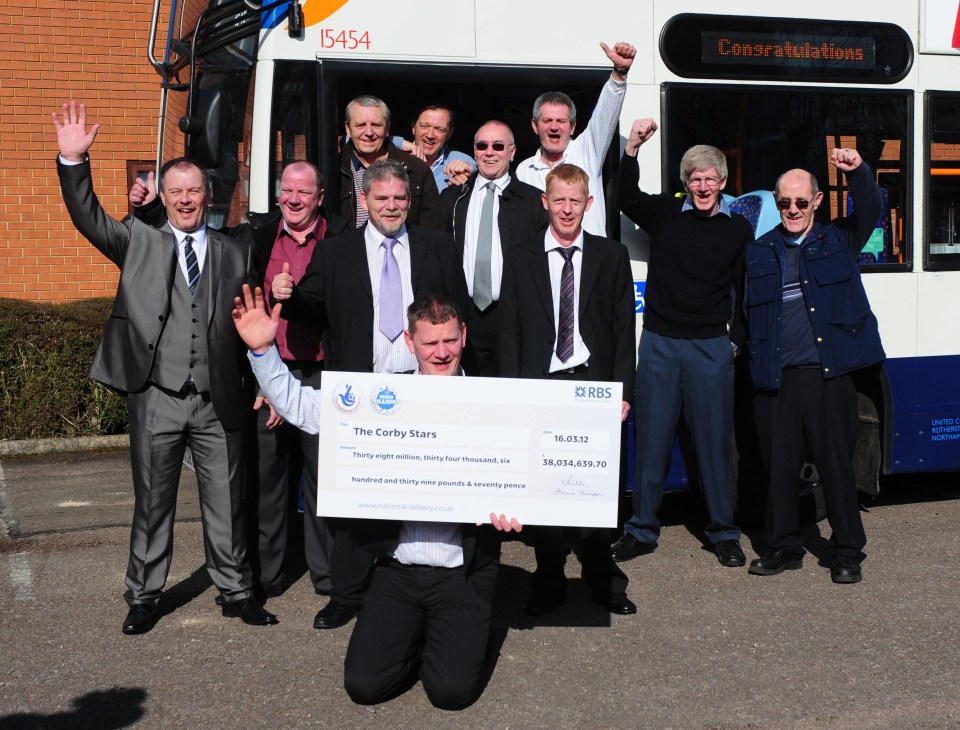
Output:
(565, 328)
(391, 293)
(482, 283)
(193, 266)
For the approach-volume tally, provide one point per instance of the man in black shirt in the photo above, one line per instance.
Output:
(686, 352)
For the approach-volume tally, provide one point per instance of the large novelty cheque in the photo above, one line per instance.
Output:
(455, 449)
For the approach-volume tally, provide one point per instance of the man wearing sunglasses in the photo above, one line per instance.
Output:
(686, 352)
(488, 215)
(810, 330)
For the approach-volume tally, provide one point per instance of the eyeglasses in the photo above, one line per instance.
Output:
(497, 146)
(696, 182)
(801, 203)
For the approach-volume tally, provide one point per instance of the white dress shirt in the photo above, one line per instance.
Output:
(587, 152)
(472, 228)
(389, 357)
(580, 352)
(199, 247)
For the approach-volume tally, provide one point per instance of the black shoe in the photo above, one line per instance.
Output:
(248, 611)
(628, 547)
(543, 602)
(139, 619)
(729, 553)
(775, 563)
(617, 603)
(333, 615)
(845, 569)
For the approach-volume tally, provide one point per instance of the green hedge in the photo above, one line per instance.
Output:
(45, 353)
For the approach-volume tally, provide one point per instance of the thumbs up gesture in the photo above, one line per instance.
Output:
(282, 285)
(142, 192)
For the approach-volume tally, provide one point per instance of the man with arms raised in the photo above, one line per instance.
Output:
(428, 608)
(554, 122)
(811, 332)
(686, 352)
(170, 345)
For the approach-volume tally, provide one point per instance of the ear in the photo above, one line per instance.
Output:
(320, 194)
(409, 340)
(543, 197)
(589, 203)
(723, 183)
(363, 201)
(817, 198)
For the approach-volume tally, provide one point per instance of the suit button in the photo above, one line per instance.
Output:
(194, 321)
(160, 317)
(149, 347)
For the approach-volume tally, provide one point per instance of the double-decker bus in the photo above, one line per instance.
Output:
(257, 85)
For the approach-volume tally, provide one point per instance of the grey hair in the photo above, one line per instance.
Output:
(555, 97)
(383, 170)
(702, 157)
(367, 100)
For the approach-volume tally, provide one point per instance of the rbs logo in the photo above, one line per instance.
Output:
(593, 392)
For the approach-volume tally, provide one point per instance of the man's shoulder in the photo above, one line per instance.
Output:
(420, 236)
(413, 163)
(516, 186)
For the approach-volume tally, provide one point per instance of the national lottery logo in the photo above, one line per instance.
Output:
(345, 398)
(592, 392)
(385, 400)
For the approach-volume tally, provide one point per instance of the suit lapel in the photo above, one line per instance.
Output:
(540, 269)
(590, 259)
(212, 265)
(356, 253)
(418, 252)
(169, 242)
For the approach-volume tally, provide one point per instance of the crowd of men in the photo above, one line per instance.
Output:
(428, 245)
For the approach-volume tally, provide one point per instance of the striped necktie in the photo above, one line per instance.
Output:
(565, 328)
(193, 266)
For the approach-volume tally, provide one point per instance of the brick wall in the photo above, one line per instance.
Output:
(50, 52)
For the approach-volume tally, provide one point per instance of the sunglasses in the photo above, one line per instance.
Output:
(801, 203)
(497, 146)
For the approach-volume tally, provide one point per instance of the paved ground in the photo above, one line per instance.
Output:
(710, 648)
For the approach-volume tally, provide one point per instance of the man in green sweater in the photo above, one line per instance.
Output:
(687, 347)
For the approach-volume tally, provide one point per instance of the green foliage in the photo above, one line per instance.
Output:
(45, 353)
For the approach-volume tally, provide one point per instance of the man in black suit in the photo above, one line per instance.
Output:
(170, 345)
(567, 309)
(283, 241)
(469, 212)
(357, 287)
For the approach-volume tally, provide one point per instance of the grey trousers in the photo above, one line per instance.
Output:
(162, 424)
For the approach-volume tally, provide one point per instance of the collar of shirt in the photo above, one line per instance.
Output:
(318, 231)
(501, 182)
(199, 236)
(373, 238)
(794, 240)
(550, 243)
(537, 163)
(442, 158)
(724, 206)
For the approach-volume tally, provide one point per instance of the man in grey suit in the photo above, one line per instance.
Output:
(171, 346)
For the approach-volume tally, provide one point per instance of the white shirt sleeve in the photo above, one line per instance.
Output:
(297, 404)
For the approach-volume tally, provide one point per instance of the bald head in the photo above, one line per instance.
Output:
(798, 197)
(492, 163)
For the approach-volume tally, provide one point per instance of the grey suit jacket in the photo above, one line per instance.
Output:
(147, 260)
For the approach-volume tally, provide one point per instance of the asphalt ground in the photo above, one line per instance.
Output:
(711, 647)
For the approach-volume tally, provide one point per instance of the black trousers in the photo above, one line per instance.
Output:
(808, 409)
(484, 341)
(435, 621)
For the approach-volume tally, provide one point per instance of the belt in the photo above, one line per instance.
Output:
(391, 562)
(575, 370)
(188, 389)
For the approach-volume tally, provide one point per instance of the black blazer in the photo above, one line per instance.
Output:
(336, 290)
(147, 259)
(521, 215)
(606, 316)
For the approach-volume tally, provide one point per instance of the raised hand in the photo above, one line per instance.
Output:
(73, 137)
(640, 132)
(845, 160)
(621, 56)
(255, 327)
(142, 192)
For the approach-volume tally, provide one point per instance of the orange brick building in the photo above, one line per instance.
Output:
(51, 52)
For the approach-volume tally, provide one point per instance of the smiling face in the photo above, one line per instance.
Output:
(368, 129)
(437, 347)
(704, 187)
(431, 132)
(300, 197)
(185, 197)
(387, 203)
(494, 164)
(794, 186)
(554, 128)
(566, 202)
